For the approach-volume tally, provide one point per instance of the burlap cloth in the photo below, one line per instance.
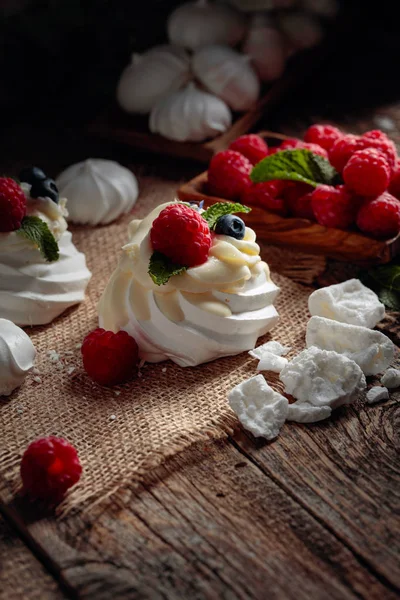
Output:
(122, 433)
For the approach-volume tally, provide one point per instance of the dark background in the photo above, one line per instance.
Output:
(60, 61)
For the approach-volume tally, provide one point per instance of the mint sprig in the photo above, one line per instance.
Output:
(161, 268)
(385, 282)
(219, 209)
(295, 165)
(37, 231)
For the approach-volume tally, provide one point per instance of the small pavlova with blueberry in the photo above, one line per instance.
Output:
(190, 285)
(41, 272)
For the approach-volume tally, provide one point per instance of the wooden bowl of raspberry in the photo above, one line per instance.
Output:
(333, 193)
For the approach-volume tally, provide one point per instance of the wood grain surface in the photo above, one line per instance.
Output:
(221, 522)
(21, 573)
(313, 515)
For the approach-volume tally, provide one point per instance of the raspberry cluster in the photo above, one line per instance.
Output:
(368, 198)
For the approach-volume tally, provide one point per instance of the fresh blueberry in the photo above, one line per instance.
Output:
(45, 188)
(231, 225)
(31, 175)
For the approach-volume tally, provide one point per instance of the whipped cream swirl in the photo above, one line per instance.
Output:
(33, 291)
(17, 356)
(216, 309)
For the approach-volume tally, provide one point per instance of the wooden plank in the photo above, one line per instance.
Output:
(344, 472)
(210, 524)
(21, 574)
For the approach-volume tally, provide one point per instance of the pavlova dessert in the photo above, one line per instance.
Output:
(190, 285)
(41, 271)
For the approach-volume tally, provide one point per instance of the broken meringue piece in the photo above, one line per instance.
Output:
(377, 394)
(272, 347)
(17, 356)
(348, 302)
(271, 362)
(323, 377)
(391, 378)
(304, 412)
(371, 350)
(260, 409)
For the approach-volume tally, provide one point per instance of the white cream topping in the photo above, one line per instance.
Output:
(218, 308)
(33, 291)
(17, 356)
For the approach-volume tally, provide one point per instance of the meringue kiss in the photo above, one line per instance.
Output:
(17, 356)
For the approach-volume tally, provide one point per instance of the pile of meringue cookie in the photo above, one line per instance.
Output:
(342, 349)
(215, 62)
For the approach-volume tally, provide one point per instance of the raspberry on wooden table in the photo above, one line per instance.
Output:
(367, 172)
(259, 194)
(49, 467)
(334, 206)
(380, 217)
(323, 135)
(109, 358)
(229, 174)
(180, 233)
(252, 146)
(12, 205)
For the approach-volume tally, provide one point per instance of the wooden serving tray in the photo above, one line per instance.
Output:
(133, 130)
(301, 234)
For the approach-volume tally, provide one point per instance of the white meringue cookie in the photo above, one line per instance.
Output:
(218, 308)
(98, 191)
(33, 291)
(190, 115)
(152, 76)
(196, 24)
(17, 356)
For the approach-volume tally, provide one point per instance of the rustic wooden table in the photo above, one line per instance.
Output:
(313, 515)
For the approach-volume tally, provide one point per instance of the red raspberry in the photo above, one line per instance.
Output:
(323, 135)
(380, 141)
(228, 174)
(334, 206)
(49, 467)
(367, 172)
(345, 147)
(292, 144)
(259, 194)
(380, 217)
(394, 186)
(252, 146)
(274, 187)
(297, 196)
(342, 149)
(182, 235)
(109, 358)
(289, 144)
(12, 204)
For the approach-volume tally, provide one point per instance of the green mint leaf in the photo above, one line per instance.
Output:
(387, 276)
(162, 268)
(295, 165)
(35, 230)
(389, 298)
(217, 210)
